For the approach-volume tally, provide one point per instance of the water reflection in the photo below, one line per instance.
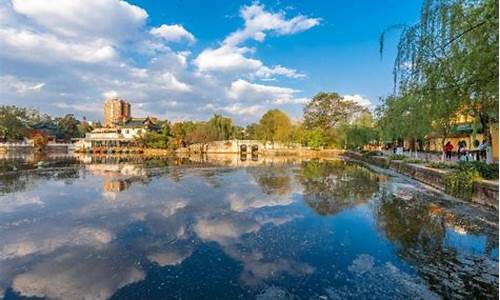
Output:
(198, 228)
(330, 187)
(419, 228)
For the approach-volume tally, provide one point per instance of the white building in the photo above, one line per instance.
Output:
(123, 135)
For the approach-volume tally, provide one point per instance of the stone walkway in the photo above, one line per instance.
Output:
(427, 156)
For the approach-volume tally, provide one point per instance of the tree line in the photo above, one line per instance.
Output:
(329, 121)
(18, 123)
(446, 68)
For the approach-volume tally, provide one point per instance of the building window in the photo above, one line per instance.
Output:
(126, 131)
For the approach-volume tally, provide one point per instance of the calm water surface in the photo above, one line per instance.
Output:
(236, 228)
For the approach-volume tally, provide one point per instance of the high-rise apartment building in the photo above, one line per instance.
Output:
(116, 111)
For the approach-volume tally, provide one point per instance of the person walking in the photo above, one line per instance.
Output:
(462, 151)
(482, 150)
(447, 150)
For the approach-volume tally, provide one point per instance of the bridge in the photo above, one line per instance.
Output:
(239, 146)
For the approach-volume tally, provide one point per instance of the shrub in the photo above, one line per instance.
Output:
(486, 171)
(370, 153)
(397, 157)
(414, 161)
(460, 183)
(440, 165)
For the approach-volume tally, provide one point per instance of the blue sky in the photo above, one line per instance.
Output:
(190, 59)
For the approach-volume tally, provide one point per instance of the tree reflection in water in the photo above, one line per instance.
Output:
(273, 180)
(420, 230)
(330, 187)
(168, 228)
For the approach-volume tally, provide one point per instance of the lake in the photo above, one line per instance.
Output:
(230, 227)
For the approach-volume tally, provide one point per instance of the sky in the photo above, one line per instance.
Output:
(187, 60)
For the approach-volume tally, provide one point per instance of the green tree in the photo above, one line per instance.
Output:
(326, 110)
(274, 125)
(407, 117)
(313, 138)
(220, 128)
(251, 131)
(161, 138)
(361, 132)
(14, 123)
(447, 63)
(68, 127)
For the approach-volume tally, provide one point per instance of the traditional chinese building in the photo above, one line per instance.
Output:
(120, 129)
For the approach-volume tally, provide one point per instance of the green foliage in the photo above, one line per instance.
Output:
(397, 157)
(314, 138)
(403, 117)
(486, 171)
(220, 128)
(17, 123)
(370, 153)
(68, 127)
(14, 123)
(330, 187)
(326, 110)
(216, 129)
(159, 139)
(446, 64)
(274, 125)
(361, 132)
(414, 161)
(460, 183)
(440, 165)
(153, 139)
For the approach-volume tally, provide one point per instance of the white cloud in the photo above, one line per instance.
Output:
(230, 56)
(241, 109)
(172, 33)
(94, 107)
(170, 82)
(20, 86)
(110, 94)
(244, 90)
(226, 58)
(109, 19)
(266, 72)
(67, 56)
(358, 99)
(44, 48)
(258, 21)
(233, 59)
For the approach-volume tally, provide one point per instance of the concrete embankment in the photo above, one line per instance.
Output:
(485, 191)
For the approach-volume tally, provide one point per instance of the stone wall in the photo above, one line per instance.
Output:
(485, 191)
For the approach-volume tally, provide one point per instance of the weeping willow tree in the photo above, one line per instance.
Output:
(447, 65)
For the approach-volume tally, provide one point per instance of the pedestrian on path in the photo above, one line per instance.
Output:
(447, 149)
(482, 149)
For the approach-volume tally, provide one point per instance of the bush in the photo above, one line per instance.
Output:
(370, 153)
(440, 165)
(397, 157)
(414, 161)
(460, 183)
(486, 171)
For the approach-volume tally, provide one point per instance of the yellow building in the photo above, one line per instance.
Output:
(463, 132)
(116, 111)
